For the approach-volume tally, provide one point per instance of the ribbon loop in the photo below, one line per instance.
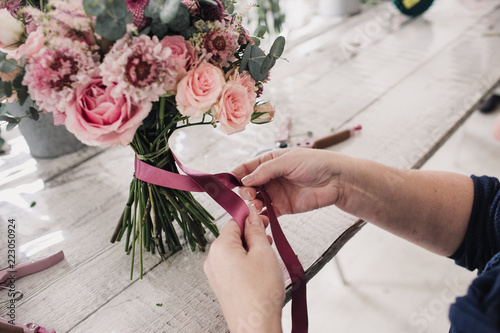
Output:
(219, 187)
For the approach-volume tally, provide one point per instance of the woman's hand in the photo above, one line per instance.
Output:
(248, 282)
(297, 180)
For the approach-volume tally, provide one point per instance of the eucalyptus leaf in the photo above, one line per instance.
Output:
(7, 88)
(33, 113)
(169, 10)
(11, 126)
(257, 57)
(158, 28)
(256, 41)
(278, 47)
(260, 31)
(94, 7)
(17, 82)
(7, 118)
(110, 27)
(7, 65)
(245, 58)
(267, 64)
(181, 20)
(22, 94)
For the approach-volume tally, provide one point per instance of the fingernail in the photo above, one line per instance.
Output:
(245, 193)
(248, 179)
(253, 208)
(254, 219)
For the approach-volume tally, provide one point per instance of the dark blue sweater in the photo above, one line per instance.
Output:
(479, 310)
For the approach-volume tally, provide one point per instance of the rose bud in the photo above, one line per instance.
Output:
(263, 113)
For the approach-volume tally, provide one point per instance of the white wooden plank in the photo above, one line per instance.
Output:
(95, 272)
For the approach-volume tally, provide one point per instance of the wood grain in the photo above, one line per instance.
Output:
(410, 83)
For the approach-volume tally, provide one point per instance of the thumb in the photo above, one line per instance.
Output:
(265, 172)
(255, 232)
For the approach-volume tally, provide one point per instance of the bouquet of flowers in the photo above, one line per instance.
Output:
(131, 72)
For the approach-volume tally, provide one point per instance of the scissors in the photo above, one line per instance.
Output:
(283, 139)
(10, 274)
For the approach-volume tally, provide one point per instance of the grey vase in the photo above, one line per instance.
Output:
(45, 140)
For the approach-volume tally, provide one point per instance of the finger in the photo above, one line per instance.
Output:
(255, 206)
(249, 166)
(271, 169)
(255, 232)
(247, 193)
(230, 232)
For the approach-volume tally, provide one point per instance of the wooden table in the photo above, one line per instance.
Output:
(410, 83)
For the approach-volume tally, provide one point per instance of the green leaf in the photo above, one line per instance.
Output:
(245, 58)
(7, 88)
(256, 41)
(110, 27)
(166, 10)
(169, 10)
(7, 65)
(158, 28)
(278, 47)
(17, 82)
(257, 57)
(33, 113)
(260, 31)
(7, 118)
(181, 21)
(267, 64)
(94, 7)
(33, 204)
(22, 94)
(111, 23)
(12, 124)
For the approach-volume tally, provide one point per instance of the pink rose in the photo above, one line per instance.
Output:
(183, 54)
(199, 90)
(97, 118)
(234, 108)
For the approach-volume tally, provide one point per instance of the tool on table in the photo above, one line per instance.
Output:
(29, 267)
(283, 139)
(10, 274)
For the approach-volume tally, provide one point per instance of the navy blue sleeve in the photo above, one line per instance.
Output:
(479, 310)
(482, 240)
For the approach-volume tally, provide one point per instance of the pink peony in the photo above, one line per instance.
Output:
(34, 43)
(139, 67)
(183, 54)
(234, 108)
(95, 117)
(199, 90)
(52, 74)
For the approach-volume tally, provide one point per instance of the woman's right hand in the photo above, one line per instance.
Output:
(297, 179)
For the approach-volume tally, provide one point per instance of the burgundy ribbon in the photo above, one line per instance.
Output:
(219, 187)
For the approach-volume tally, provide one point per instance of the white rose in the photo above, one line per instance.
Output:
(12, 31)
